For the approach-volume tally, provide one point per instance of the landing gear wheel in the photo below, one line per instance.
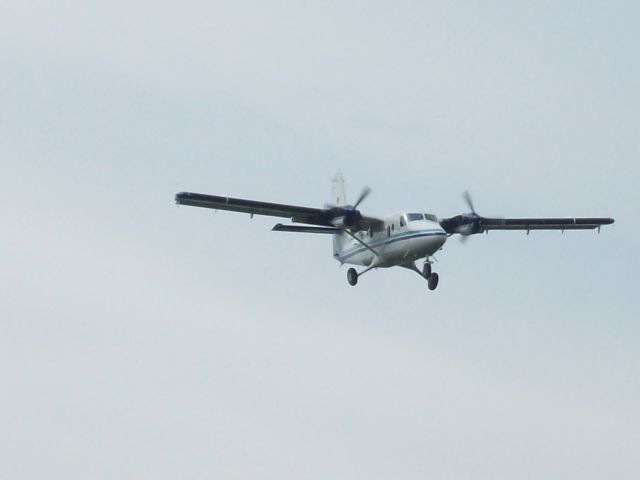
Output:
(433, 281)
(426, 270)
(352, 276)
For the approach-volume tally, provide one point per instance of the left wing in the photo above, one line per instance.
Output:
(544, 223)
(471, 223)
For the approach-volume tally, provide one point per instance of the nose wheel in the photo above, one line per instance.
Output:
(426, 270)
(432, 281)
(432, 277)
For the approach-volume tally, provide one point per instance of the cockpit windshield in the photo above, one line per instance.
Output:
(413, 217)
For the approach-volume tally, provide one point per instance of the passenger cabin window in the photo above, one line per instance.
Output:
(412, 217)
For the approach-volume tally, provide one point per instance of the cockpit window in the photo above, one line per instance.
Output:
(412, 217)
(431, 218)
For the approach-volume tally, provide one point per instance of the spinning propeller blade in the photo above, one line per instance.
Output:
(471, 221)
(348, 216)
(365, 193)
(467, 197)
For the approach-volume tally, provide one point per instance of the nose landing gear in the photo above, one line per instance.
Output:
(432, 277)
(432, 281)
(426, 270)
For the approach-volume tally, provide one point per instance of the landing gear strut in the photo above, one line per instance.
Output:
(352, 277)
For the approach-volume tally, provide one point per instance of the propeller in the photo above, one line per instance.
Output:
(349, 215)
(467, 197)
(364, 194)
(464, 224)
(473, 218)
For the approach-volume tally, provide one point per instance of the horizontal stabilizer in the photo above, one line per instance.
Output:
(303, 229)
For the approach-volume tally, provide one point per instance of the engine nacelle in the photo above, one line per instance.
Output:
(464, 224)
(346, 217)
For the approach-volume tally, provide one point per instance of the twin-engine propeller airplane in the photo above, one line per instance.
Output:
(397, 240)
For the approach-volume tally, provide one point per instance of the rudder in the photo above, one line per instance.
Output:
(337, 190)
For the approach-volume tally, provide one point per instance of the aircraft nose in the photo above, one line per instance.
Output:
(441, 237)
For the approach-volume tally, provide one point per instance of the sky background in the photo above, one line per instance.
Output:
(139, 339)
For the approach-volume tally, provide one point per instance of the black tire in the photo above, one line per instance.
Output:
(426, 270)
(352, 277)
(433, 281)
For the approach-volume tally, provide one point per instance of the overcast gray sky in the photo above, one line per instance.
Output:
(143, 340)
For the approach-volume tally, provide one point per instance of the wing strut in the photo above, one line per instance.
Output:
(361, 242)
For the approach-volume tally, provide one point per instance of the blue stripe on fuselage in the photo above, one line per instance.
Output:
(403, 236)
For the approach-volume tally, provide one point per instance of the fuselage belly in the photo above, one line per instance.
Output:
(395, 245)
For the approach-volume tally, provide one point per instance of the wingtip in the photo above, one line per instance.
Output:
(181, 196)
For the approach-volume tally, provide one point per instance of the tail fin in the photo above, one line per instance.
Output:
(338, 199)
(337, 190)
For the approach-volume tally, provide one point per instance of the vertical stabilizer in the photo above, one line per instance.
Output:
(337, 190)
(338, 199)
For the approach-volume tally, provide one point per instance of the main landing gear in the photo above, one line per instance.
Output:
(432, 277)
(352, 277)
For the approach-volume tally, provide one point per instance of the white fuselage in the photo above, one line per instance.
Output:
(400, 242)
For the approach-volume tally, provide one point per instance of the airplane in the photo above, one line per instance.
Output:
(396, 240)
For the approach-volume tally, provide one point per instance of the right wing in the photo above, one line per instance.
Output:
(313, 216)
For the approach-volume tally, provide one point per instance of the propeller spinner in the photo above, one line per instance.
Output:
(349, 216)
(464, 224)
